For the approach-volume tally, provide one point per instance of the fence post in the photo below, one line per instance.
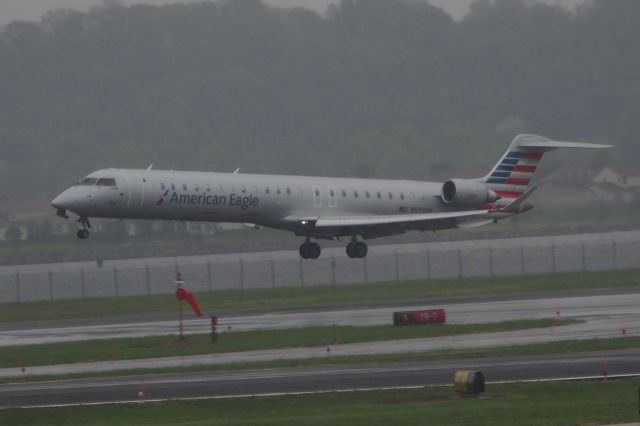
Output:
(301, 272)
(490, 261)
(148, 277)
(115, 282)
(333, 271)
(397, 266)
(18, 286)
(365, 270)
(209, 277)
(82, 285)
(50, 285)
(428, 264)
(273, 273)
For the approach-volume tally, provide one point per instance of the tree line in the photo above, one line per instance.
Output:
(379, 88)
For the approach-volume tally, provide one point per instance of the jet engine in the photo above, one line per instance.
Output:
(467, 193)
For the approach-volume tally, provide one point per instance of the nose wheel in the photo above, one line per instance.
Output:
(357, 249)
(84, 233)
(309, 250)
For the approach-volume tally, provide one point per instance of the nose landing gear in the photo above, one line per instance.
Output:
(84, 233)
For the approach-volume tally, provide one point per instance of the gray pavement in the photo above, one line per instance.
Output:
(313, 379)
(605, 316)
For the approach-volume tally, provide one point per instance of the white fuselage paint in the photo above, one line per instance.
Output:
(269, 200)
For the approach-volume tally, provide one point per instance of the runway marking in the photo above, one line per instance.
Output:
(276, 394)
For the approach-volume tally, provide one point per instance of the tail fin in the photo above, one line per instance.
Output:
(510, 178)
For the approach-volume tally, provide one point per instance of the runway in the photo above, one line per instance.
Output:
(312, 379)
(604, 313)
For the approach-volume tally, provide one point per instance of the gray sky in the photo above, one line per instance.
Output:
(32, 10)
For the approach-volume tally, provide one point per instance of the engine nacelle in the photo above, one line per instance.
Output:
(467, 193)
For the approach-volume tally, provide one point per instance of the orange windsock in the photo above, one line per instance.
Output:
(183, 294)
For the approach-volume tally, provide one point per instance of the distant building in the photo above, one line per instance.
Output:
(620, 183)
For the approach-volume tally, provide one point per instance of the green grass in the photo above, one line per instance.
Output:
(163, 346)
(535, 404)
(321, 296)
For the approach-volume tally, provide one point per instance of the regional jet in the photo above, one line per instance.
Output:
(316, 208)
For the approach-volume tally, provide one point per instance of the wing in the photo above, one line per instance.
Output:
(384, 225)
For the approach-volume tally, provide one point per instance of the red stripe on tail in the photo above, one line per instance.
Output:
(517, 181)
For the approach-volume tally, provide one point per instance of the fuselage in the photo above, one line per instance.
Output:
(267, 200)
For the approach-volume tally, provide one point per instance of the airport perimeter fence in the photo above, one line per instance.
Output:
(384, 263)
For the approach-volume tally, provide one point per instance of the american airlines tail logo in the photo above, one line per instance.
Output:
(161, 200)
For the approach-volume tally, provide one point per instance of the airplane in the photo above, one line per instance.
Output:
(315, 208)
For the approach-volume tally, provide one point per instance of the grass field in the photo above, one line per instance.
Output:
(535, 404)
(321, 296)
(162, 346)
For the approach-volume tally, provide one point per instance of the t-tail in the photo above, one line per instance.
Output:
(511, 177)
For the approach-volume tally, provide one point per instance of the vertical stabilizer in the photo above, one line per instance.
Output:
(511, 177)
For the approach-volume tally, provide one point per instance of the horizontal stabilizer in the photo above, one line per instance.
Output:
(548, 144)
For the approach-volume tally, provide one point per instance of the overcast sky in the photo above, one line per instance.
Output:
(32, 10)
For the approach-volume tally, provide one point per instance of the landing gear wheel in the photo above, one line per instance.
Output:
(357, 249)
(310, 250)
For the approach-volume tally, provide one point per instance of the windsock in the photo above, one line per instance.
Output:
(182, 294)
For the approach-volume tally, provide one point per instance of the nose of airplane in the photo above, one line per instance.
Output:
(67, 200)
(62, 201)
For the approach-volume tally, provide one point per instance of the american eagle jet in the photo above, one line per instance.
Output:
(315, 208)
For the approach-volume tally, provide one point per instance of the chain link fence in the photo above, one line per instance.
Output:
(384, 263)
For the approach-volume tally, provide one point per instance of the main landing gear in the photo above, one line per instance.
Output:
(357, 249)
(83, 233)
(309, 250)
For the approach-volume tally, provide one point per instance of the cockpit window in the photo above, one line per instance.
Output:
(106, 182)
(88, 181)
